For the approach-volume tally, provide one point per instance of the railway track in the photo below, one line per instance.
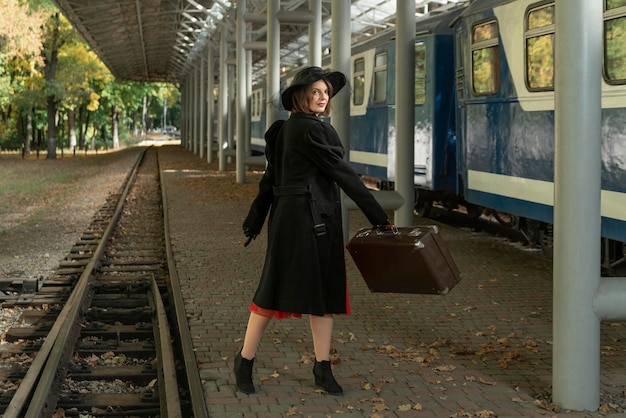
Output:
(106, 335)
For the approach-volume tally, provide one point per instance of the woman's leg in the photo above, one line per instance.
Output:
(322, 330)
(244, 360)
(256, 326)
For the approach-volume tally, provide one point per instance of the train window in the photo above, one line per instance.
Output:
(485, 58)
(614, 4)
(380, 78)
(256, 105)
(420, 73)
(358, 81)
(540, 30)
(615, 41)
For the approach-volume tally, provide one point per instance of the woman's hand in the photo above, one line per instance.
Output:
(249, 234)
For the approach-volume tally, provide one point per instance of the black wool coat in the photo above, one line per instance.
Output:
(305, 272)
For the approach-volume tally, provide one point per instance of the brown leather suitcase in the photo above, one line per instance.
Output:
(412, 260)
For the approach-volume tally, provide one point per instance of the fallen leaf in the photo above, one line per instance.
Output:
(379, 407)
(292, 411)
(544, 405)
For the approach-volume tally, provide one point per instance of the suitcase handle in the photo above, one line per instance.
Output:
(393, 230)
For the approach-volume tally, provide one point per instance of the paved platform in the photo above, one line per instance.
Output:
(483, 350)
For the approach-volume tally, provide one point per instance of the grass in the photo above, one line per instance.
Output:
(33, 182)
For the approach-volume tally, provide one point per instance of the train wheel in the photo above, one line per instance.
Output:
(424, 211)
(546, 240)
(505, 219)
(423, 203)
(530, 229)
(473, 211)
(613, 258)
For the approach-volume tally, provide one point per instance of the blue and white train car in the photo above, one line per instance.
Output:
(505, 117)
(373, 133)
(372, 105)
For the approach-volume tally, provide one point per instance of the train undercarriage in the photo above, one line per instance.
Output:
(532, 232)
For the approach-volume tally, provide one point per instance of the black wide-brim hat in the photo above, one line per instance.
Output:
(309, 76)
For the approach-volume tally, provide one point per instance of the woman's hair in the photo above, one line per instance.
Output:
(301, 100)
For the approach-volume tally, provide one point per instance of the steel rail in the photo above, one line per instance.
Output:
(39, 379)
(168, 392)
(194, 382)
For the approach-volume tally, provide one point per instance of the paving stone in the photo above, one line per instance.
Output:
(482, 350)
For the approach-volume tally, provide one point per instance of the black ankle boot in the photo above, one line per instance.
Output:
(243, 374)
(324, 378)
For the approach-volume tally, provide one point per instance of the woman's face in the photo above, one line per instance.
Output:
(318, 96)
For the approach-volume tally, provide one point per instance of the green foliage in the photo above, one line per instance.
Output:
(81, 81)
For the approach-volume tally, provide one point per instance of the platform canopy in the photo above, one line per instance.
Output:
(159, 40)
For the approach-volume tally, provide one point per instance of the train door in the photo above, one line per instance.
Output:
(461, 114)
(423, 131)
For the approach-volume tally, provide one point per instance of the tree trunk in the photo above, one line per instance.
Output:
(52, 128)
(133, 123)
(144, 116)
(95, 136)
(50, 71)
(114, 127)
(71, 126)
(86, 126)
(29, 131)
(81, 127)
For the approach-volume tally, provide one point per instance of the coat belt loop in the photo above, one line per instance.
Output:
(318, 225)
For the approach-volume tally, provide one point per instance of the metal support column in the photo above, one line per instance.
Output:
(196, 98)
(223, 101)
(183, 112)
(405, 109)
(190, 110)
(184, 141)
(242, 90)
(201, 106)
(248, 102)
(315, 33)
(340, 52)
(189, 115)
(273, 63)
(576, 327)
(232, 110)
(210, 109)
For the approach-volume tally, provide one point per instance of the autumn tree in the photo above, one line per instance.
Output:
(57, 33)
(164, 105)
(20, 54)
(82, 77)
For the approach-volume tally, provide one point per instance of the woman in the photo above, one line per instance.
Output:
(304, 270)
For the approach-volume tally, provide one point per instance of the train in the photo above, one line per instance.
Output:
(484, 115)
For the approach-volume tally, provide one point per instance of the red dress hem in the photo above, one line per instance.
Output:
(269, 313)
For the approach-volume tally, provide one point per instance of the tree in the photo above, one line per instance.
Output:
(20, 53)
(57, 32)
(82, 76)
(50, 77)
